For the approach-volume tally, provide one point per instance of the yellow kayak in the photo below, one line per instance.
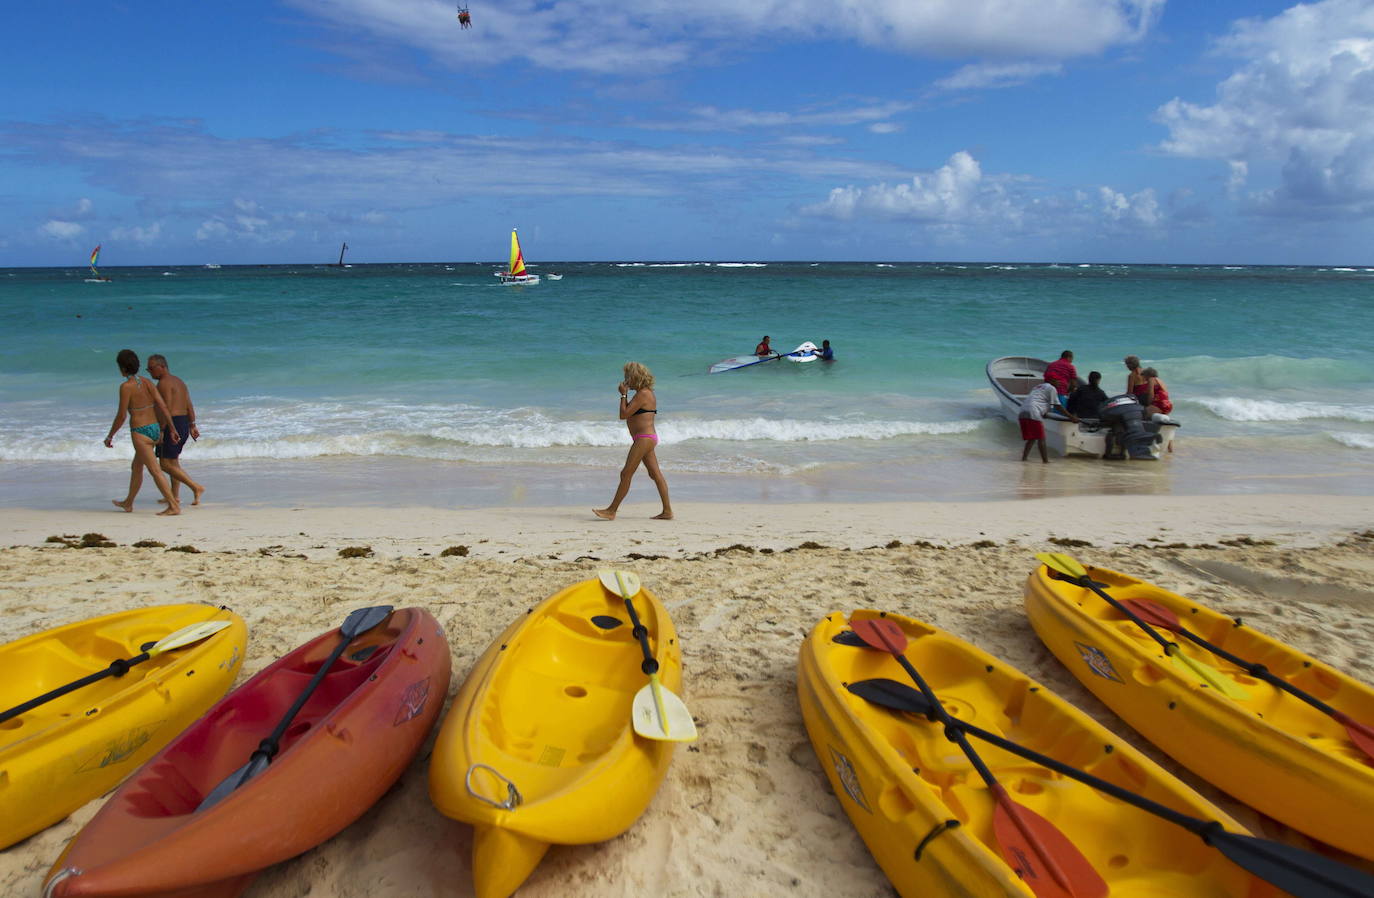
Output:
(538, 746)
(927, 816)
(61, 754)
(1267, 748)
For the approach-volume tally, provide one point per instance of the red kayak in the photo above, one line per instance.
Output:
(347, 744)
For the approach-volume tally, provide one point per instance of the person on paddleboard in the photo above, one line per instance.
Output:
(638, 414)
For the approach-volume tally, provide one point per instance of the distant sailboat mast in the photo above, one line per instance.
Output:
(343, 249)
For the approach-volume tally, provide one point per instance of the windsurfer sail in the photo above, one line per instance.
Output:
(517, 273)
(343, 249)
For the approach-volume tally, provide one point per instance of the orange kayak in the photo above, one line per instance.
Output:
(346, 746)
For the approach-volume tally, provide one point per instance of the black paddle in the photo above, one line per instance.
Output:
(119, 667)
(1300, 873)
(357, 623)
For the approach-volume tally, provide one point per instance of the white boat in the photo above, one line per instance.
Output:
(554, 277)
(516, 275)
(807, 352)
(212, 265)
(1013, 376)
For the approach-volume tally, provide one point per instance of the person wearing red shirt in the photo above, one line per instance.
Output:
(1063, 375)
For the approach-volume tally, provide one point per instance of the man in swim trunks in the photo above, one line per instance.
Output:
(178, 399)
(1034, 408)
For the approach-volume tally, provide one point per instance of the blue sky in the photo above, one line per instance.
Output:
(890, 130)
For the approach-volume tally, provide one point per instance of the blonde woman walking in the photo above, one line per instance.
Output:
(638, 413)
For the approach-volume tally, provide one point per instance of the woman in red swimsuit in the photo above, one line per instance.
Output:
(1156, 395)
(638, 414)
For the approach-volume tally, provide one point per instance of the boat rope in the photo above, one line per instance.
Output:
(513, 797)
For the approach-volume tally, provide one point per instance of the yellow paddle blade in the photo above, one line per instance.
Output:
(1064, 564)
(623, 583)
(1209, 675)
(187, 635)
(659, 714)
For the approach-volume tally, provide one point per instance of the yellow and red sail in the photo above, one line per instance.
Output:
(517, 259)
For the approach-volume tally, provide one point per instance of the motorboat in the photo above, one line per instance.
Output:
(1014, 376)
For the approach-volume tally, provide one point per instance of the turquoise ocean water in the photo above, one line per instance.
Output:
(434, 384)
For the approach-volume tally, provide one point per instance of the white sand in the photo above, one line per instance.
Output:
(746, 810)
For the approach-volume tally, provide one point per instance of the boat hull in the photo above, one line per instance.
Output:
(348, 744)
(901, 781)
(1272, 751)
(518, 280)
(1012, 377)
(61, 755)
(546, 712)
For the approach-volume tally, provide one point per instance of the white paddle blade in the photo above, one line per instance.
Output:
(669, 721)
(186, 636)
(623, 583)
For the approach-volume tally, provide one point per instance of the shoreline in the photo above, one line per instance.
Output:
(568, 532)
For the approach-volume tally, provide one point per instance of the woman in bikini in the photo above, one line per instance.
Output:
(1135, 383)
(144, 405)
(638, 414)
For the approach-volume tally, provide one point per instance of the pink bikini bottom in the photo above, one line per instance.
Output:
(646, 436)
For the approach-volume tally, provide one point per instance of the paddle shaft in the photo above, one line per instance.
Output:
(955, 734)
(1170, 648)
(117, 668)
(650, 665)
(269, 747)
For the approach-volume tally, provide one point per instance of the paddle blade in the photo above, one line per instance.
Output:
(1154, 614)
(1041, 854)
(1208, 674)
(1360, 734)
(623, 583)
(1064, 564)
(660, 715)
(881, 633)
(187, 635)
(1298, 872)
(256, 764)
(891, 694)
(363, 619)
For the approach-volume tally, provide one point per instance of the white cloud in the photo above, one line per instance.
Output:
(616, 38)
(61, 230)
(138, 234)
(1301, 101)
(884, 128)
(983, 76)
(1140, 209)
(955, 193)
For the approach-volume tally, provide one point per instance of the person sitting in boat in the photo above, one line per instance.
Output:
(1087, 399)
(763, 348)
(825, 353)
(1063, 375)
(1037, 404)
(1153, 394)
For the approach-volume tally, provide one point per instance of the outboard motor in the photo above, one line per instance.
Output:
(1128, 433)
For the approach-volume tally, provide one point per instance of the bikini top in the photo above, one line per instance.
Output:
(645, 411)
(140, 382)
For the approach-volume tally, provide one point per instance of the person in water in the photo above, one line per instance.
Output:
(763, 348)
(178, 399)
(638, 414)
(1063, 375)
(825, 353)
(1037, 404)
(1087, 399)
(1134, 380)
(147, 414)
(1153, 394)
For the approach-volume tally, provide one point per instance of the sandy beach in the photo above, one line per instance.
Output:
(746, 810)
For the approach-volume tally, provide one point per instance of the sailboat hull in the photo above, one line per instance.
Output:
(516, 280)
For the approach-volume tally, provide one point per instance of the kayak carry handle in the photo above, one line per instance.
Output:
(513, 797)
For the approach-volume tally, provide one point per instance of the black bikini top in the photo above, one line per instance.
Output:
(645, 411)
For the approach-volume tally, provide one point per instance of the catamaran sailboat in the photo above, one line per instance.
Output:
(96, 277)
(517, 273)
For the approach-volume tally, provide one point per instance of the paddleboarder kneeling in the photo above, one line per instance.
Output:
(1038, 402)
